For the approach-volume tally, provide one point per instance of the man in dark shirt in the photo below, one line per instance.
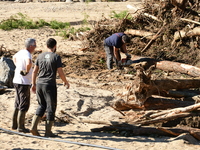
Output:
(112, 45)
(46, 67)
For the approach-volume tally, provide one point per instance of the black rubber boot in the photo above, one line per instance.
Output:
(21, 122)
(14, 119)
(48, 132)
(35, 122)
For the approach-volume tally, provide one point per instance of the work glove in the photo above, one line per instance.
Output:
(23, 72)
(128, 56)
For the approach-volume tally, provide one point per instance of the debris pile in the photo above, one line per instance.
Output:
(167, 36)
(159, 29)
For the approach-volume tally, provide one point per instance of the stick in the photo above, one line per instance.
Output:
(154, 37)
(118, 110)
(152, 17)
(188, 20)
(168, 131)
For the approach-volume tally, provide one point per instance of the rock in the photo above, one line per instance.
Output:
(7, 68)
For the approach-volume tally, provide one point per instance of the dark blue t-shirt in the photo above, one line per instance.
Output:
(115, 40)
(48, 62)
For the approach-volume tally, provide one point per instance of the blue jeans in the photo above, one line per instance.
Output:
(110, 58)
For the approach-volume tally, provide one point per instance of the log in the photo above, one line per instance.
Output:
(141, 33)
(160, 119)
(183, 94)
(183, 34)
(152, 103)
(168, 65)
(167, 115)
(176, 111)
(148, 131)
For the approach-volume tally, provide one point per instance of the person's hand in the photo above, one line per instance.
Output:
(66, 84)
(33, 88)
(23, 72)
(128, 56)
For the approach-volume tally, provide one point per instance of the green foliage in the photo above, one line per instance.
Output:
(42, 23)
(120, 15)
(71, 31)
(102, 61)
(21, 21)
(59, 25)
(86, 16)
(18, 21)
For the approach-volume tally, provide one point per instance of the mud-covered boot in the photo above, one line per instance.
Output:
(14, 119)
(21, 122)
(48, 132)
(35, 122)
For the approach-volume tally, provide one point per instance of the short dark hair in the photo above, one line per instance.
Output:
(126, 38)
(51, 42)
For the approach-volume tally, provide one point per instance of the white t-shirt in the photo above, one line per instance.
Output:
(21, 57)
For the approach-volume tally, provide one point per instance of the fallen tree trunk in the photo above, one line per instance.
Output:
(147, 131)
(168, 65)
(151, 103)
(142, 33)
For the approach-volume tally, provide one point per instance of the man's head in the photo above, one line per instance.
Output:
(126, 38)
(30, 44)
(51, 44)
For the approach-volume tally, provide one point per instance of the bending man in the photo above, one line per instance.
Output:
(112, 45)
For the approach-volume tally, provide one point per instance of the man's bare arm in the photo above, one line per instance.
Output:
(62, 76)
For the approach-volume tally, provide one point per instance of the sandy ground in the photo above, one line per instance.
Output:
(85, 98)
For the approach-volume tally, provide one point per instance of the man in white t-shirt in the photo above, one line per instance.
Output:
(22, 82)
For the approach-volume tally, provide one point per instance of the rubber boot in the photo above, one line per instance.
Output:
(14, 119)
(21, 122)
(35, 122)
(48, 132)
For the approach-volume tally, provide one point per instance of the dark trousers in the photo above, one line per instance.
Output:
(47, 100)
(22, 99)
(110, 58)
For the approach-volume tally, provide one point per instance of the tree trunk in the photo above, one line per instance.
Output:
(146, 131)
(168, 65)
(152, 103)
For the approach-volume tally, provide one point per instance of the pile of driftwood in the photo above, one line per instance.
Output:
(167, 107)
